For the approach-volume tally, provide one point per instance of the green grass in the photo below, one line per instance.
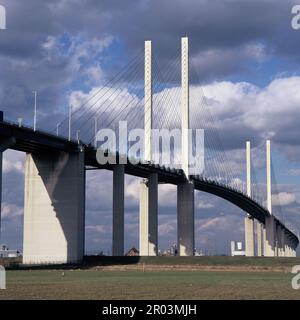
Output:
(203, 261)
(101, 284)
(236, 278)
(170, 261)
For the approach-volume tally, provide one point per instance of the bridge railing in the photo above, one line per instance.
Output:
(44, 132)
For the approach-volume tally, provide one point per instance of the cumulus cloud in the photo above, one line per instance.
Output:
(283, 199)
(203, 205)
(221, 222)
(11, 210)
(167, 227)
(294, 172)
(13, 162)
(101, 229)
(241, 111)
(65, 42)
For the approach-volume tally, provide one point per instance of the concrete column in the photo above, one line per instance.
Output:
(118, 211)
(270, 244)
(249, 236)
(282, 242)
(264, 239)
(292, 249)
(278, 240)
(289, 247)
(259, 239)
(269, 181)
(148, 216)
(286, 246)
(148, 101)
(249, 221)
(185, 105)
(270, 237)
(185, 219)
(54, 208)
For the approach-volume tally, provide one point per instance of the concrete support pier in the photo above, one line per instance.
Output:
(294, 252)
(54, 208)
(280, 241)
(270, 244)
(118, 210)
(290, 249)
(259, 239)
(264, 239)
(286, 246)
(148, 216)
(185, 219)
(249, 236)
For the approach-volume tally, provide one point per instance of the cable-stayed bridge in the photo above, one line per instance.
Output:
(54, 209)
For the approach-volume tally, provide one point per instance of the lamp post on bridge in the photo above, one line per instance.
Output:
(96, 130)
(57, 129)
(35, 110)
(77, 136)
(70, 121)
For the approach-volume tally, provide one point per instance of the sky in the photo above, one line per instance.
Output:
(244, 58)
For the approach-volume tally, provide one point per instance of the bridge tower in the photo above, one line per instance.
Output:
(185, 190)
(149, 186)
(270, 225)
(249, 221)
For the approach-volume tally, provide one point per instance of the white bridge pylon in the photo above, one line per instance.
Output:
(149, 187)
(271, 239)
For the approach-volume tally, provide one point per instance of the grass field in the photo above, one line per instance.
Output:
(99, 284)
(159, 279)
